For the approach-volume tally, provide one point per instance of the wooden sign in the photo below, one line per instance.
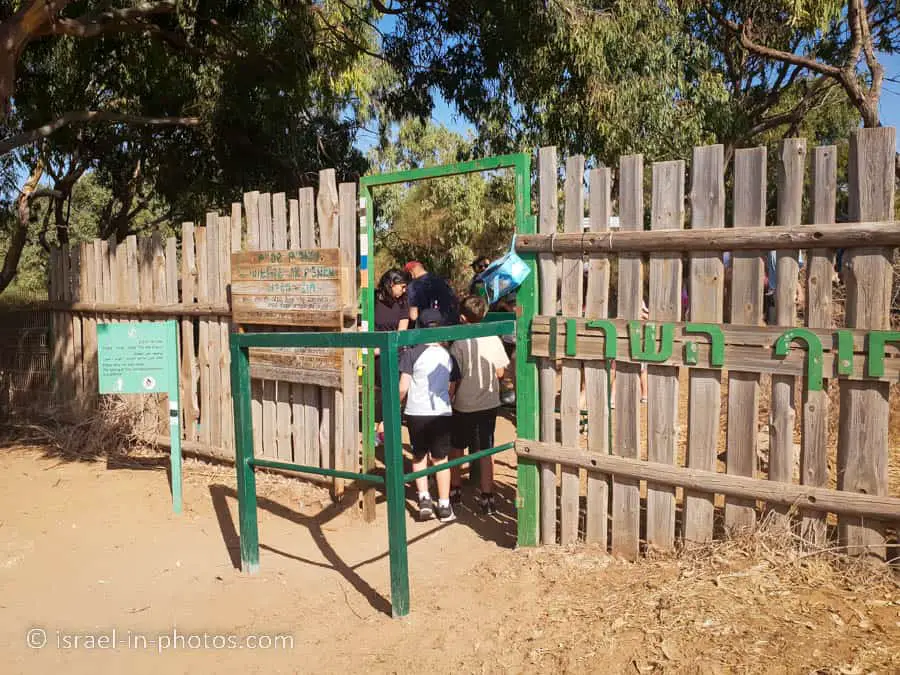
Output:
(321, 367)
(304, 287)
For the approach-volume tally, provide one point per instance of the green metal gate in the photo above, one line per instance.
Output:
(389, 344)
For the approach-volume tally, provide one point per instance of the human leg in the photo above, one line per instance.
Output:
(440, 449)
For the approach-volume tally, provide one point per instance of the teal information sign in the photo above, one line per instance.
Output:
(142, 358)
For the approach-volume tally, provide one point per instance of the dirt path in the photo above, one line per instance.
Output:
(91, 547)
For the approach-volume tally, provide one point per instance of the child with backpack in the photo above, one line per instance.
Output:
(482, 362)
(428, 379)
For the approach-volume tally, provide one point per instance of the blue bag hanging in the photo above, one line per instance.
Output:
(505, 275)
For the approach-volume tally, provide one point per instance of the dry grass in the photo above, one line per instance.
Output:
(756, 603)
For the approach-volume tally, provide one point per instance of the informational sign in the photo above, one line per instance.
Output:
(142, 358)
(288, 288)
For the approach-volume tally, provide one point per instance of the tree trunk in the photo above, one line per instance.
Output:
(20, 233)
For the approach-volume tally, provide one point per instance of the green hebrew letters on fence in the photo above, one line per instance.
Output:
(610, 336)
(877, 340)
(648, 351)
(813, 354)
(716, 341)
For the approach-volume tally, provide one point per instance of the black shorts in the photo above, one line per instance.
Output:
(474, 430)
(429, 435)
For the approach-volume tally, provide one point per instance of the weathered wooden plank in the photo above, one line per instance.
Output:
(77, 337)
(203, 350)
(863, 422)
(53, 293)
(596, 376)
(214, 419)
(783, 417)
(307, 206)
(293, 224)
(667, 213)
(237, 237)
(89, 325)
(548, 219)
(746, 308)
(626, 500)
(298, 419)
(68, 380)
(706, 297)
(283, 448)
(269, 388)
(841, 235)
(226, 230)
(189, 372)
(570, 394)
(814, 434)
(251, 209)
(347, 446)
(871, 506)
(310, 396)
(328, 211)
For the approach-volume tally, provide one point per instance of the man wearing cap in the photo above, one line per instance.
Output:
(427, 291)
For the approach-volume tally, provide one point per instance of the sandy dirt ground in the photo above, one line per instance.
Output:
(91, 547)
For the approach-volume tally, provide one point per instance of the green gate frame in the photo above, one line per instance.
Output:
(389, 343)
(526, 309)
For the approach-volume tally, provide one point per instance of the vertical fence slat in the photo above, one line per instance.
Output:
(297, 390)
(311, 394)
(160, 297)
(283, 389)
(667, 213)
(814, 435)
(251, 209)
(746, 309)
(237, 236)
(328, 211)
(53, 271)
(89, 294)
(213, 237)
(570, 393)
(203, 351)
(347, 415)
(863, 421)
(596, 377)
(706, 296)
(791, 170)
(188, 357)
(269, 387)
(77, 337)
(68, 332)
(226, 232)
(626, 516)
(547, 224)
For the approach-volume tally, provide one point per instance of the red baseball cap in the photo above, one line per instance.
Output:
(410, 265)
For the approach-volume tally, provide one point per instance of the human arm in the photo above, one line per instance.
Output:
(413, 315)
(405, 380)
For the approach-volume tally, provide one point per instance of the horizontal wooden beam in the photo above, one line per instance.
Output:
(811, 498)
(175, 309)
(826, 235)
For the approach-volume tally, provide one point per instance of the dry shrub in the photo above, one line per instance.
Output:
(115, 426)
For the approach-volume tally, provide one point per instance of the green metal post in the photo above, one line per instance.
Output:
(396, 498)
(246, 478)
(175, 460)
(526, 368)
(367, 246)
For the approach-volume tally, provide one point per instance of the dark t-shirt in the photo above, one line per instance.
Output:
(429, 291)
(388, 317)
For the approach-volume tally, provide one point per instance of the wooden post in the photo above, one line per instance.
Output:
(814, 435)
(77, 339)
(226, 226)
(791, 170)
(214, 419)
(746, 308)
(706, 297)
(328, 209)
(251, 208)
(626, 501)
(89, 294)
(570, 395)
(596, 376)
(348, 448)
(547, 224)
(200, 235)
(667, 213)
(863, 426)
(283, 447)
(269, 387)
(189, 373)
(309, 427)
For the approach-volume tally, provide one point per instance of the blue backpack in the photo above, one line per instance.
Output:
(505, 275)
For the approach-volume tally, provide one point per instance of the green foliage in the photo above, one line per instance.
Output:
(443, 222)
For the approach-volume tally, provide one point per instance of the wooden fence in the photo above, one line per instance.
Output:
(697, 465)
(188, 279)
